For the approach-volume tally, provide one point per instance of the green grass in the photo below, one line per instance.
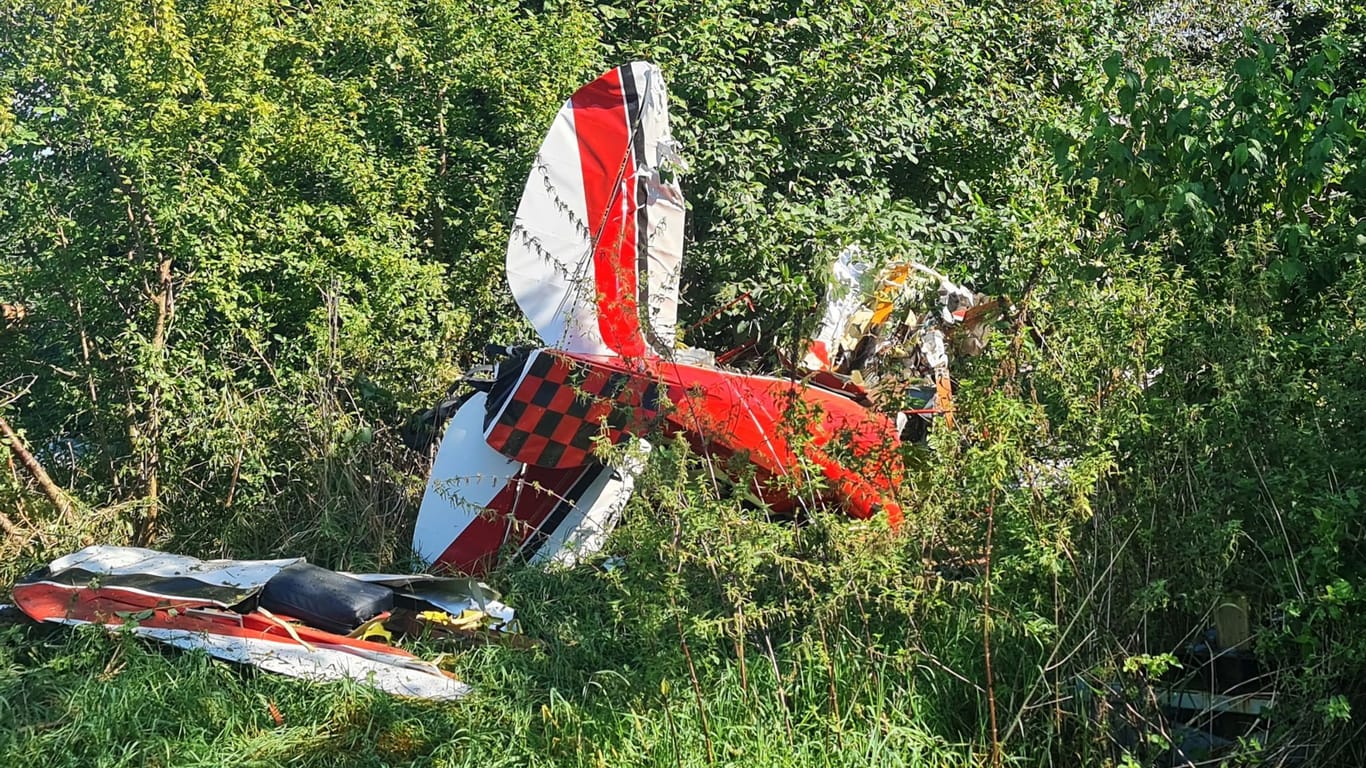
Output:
(722, 640)
(604, 697)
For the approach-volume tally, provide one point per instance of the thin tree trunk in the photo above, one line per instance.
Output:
(996, 755)
(162, 299)
(8, 525)
(438, 208)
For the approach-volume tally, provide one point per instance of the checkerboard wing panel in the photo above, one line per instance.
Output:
(550, 414)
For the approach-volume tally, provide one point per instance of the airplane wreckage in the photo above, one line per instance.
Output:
(594, 261)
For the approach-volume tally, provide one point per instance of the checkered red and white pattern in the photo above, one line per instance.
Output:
(559, 406)
(480, 504)
(548, 407)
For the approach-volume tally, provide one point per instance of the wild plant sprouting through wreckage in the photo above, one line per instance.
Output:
(594, 261)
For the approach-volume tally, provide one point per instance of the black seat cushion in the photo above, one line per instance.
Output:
(324, 599)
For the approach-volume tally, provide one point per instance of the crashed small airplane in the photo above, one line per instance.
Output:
(594, 261)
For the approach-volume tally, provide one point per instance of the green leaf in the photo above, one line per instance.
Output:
(1112, 65)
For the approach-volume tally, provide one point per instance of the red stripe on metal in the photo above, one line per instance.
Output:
(604, 134)
(512, 516)
(44, 601)
(472, 551)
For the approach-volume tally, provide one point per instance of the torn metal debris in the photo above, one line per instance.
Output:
(284, 616)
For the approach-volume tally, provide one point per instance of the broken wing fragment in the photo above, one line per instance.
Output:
(221, 608)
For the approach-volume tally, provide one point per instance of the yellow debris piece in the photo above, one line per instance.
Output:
(374, 631)
(468, 619)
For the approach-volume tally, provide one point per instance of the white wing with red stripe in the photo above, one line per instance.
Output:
(467, 475)
(597, 245)
(478, 502)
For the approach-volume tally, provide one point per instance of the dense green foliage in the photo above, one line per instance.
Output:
(219, 217)
(246, 239)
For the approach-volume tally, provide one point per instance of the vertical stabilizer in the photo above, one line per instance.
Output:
(596, 248)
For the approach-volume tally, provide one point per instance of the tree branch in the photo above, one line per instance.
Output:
(51, 490)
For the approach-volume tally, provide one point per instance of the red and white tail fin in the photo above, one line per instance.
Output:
(597, 245)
